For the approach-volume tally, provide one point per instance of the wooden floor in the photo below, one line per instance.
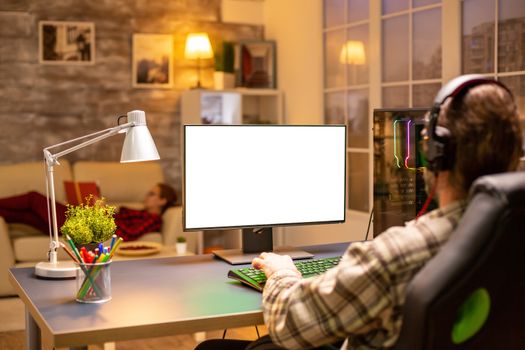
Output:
(15, 340)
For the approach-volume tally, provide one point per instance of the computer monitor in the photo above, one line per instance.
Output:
(255, 177)
(399, 185)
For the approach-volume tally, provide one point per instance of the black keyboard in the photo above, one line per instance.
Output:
(308, 268)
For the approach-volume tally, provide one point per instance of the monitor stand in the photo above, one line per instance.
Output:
(254, 242)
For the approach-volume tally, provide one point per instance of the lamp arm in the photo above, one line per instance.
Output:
(52, 159)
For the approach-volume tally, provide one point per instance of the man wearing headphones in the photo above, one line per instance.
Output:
(471, 131)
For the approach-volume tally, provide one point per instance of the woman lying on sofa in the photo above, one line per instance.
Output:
(31, 209)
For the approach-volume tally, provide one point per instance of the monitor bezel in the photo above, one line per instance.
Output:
(185, 228)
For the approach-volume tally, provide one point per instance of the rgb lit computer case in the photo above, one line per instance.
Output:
(399, 186)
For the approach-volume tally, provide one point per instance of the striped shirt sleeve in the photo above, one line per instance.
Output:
(347, 299)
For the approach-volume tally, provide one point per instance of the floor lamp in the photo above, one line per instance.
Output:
(138, 146)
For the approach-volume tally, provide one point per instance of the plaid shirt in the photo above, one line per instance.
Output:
(131, 224)
(361, 298)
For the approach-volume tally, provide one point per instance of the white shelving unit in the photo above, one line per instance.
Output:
(235, 106)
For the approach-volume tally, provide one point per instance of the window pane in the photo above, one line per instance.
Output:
(358, 118)
(334, 69)
(334, 108)
(358, 181)
(423, 94)
(334, 13)
(418, 3)
(395, 97)
(357, 10)
(390, 6)
(395, 49)
(478, 36)
(511, 36)
(516, 84)
(356, 55)
(426, 52)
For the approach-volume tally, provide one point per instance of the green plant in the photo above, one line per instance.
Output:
(88, 223)
(224, 58)
(181, 239)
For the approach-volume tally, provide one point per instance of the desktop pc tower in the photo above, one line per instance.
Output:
(399, 186)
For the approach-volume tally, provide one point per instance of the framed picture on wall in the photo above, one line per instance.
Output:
(258, 64)
(152, 61)
(66, 42)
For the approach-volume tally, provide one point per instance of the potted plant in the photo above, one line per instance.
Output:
(223, 76)
(90, 222)
(180, 246)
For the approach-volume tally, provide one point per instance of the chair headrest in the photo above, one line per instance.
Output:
(509, 187)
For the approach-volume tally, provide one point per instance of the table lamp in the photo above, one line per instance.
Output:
(138, 146)
(198, 47)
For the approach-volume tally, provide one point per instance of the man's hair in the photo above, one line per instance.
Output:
(169, 194)
(486, 133)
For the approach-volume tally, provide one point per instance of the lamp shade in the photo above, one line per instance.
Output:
(138, 144)
(353, 52)
(198, 46)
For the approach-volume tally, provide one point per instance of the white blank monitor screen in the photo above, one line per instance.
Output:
(263, 175)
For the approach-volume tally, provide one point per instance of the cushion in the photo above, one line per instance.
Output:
(120, 183)
(77, 192)
(34, 248)
(21, 178)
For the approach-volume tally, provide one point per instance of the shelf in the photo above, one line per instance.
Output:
(246, 91)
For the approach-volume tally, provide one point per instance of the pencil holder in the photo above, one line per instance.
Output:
(94, 282)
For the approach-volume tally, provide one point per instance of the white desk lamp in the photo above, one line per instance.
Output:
(138, 146)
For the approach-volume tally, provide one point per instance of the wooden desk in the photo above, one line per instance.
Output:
(151, 298)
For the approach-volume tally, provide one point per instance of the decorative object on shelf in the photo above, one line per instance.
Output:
(181, 245)
(138, 146)
(258, 64)
(66, 42)
(89, 222)
(198, 48)
(152, 61)
(224, 77)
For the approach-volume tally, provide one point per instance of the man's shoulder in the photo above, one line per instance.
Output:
(418, 240)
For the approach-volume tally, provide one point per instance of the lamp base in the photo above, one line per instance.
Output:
(61, 269)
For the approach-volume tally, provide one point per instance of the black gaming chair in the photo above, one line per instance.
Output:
(471, 295)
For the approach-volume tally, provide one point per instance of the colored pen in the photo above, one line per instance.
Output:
(113, 239)
(74, 249)
(68, 252)
(115, 246)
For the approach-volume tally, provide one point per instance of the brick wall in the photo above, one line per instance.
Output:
(41, 105)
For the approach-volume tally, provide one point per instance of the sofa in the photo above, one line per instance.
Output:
(121, 185)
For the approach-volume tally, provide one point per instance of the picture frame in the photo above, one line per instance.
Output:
(152, 61)
(66, 42)
(257, 64)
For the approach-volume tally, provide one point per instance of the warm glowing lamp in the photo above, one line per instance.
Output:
(198, 47)
(353, 52)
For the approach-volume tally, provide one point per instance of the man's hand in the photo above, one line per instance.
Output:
(271, 263)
